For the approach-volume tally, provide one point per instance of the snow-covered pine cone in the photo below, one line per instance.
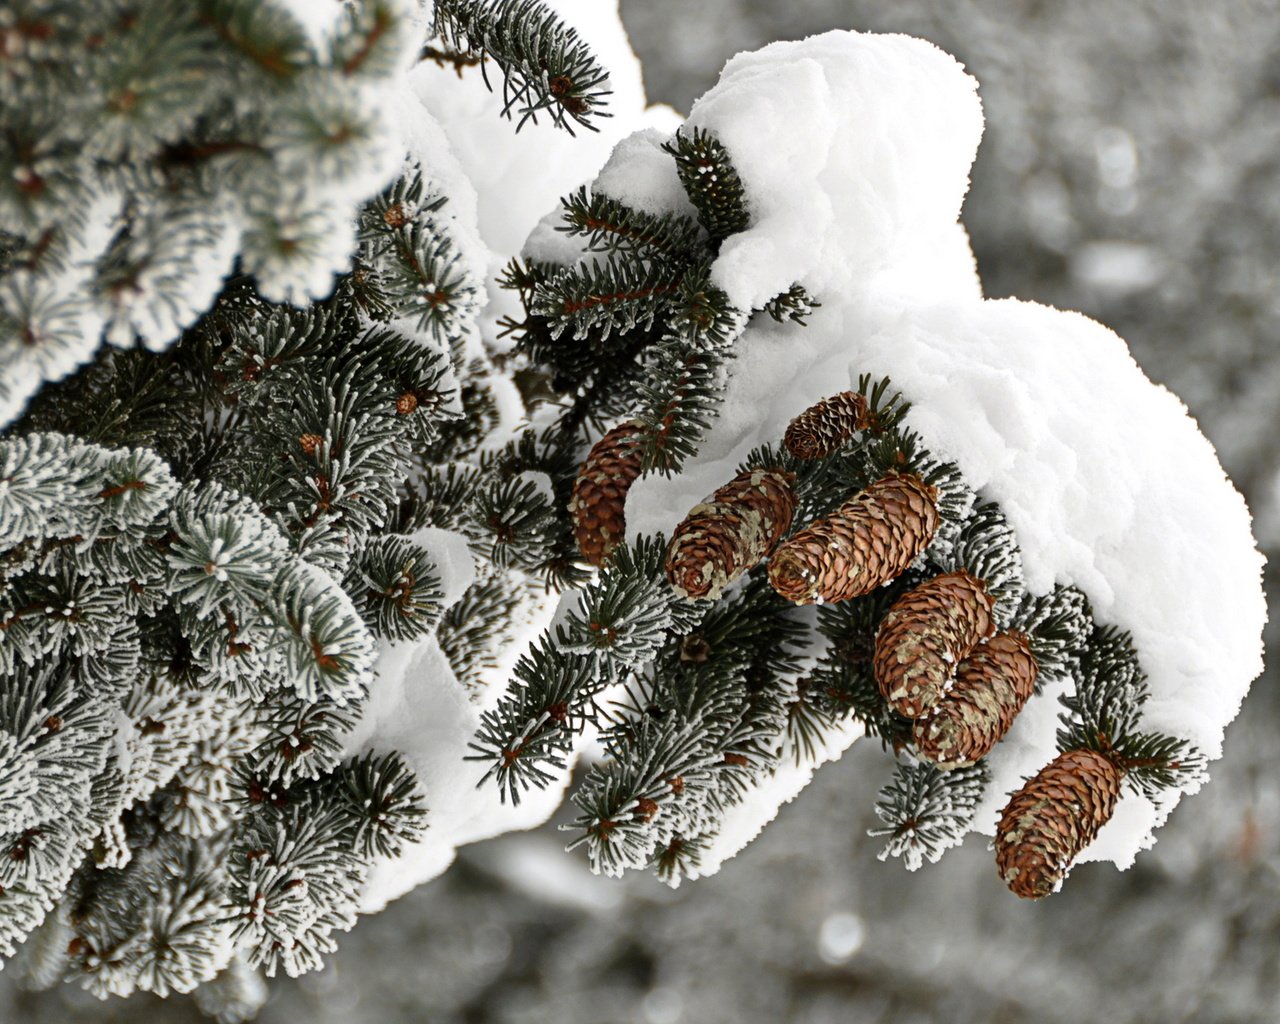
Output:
(925, 635)
(824, 427)
(600, 493)
(732, 531)
(1052, 818)
(869, 540)
(992, 685)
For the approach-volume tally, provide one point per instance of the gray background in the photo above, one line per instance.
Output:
(1131, 169)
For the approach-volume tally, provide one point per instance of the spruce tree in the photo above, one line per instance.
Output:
(253, 428)
(210, 524)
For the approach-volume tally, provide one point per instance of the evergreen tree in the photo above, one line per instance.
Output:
(205, 543)
(215, 541)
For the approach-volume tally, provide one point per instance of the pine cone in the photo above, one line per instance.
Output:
(1052, 818)
(730, 532)
(925, 635)
(869, 540)
(600, 493)
(822, 428)
(992, 685)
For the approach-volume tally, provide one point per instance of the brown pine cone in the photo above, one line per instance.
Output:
(600, 493)
(869, 540)
(824, 427)
(730, 532)
(1052, 818)
(925, 635)
(992, 685)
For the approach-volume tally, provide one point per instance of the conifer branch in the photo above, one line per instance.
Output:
(711, 181)
(610, 226)
(927, 811)
(545, 65)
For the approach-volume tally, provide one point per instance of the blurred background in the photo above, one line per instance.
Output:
(1130, 169)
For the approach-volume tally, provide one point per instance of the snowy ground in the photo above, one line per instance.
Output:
(1130, 169)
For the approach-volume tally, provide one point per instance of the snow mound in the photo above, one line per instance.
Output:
(855, 151)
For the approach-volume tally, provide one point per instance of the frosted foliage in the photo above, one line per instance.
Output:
(182, 146)
(416, 704)
(1105, 479)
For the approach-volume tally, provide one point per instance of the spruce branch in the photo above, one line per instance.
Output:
(627, 805)
(711, 182)
(608, 225)
(526, 737)
(1110, 691)
(514, 522)
(409, 262)
(676, 400)
(795, 304)
(623, 619)
(808, 720)
(478, 625)
(266, 34)
(298, 739)
(600, 299)
(396, 588)
(987, 548)
(1104, 713)
(458, 61)
(386, 801)
(1058, 626)
(927, 811)
(545, 65)
(293, 884)
(843, 683)
(696, 731)
(549, 460)
(372, 38)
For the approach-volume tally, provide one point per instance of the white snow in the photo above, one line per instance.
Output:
(643, 173)
(452, 559)
(855, 151)
(880, 133)
(317, 18)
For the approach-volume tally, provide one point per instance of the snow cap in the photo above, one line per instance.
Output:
(854, 151)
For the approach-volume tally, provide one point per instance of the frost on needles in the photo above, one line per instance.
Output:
(281, 559)
(216, 527)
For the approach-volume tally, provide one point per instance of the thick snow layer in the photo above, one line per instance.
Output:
(855, 151)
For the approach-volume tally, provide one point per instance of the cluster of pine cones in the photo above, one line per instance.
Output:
(939, 659)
